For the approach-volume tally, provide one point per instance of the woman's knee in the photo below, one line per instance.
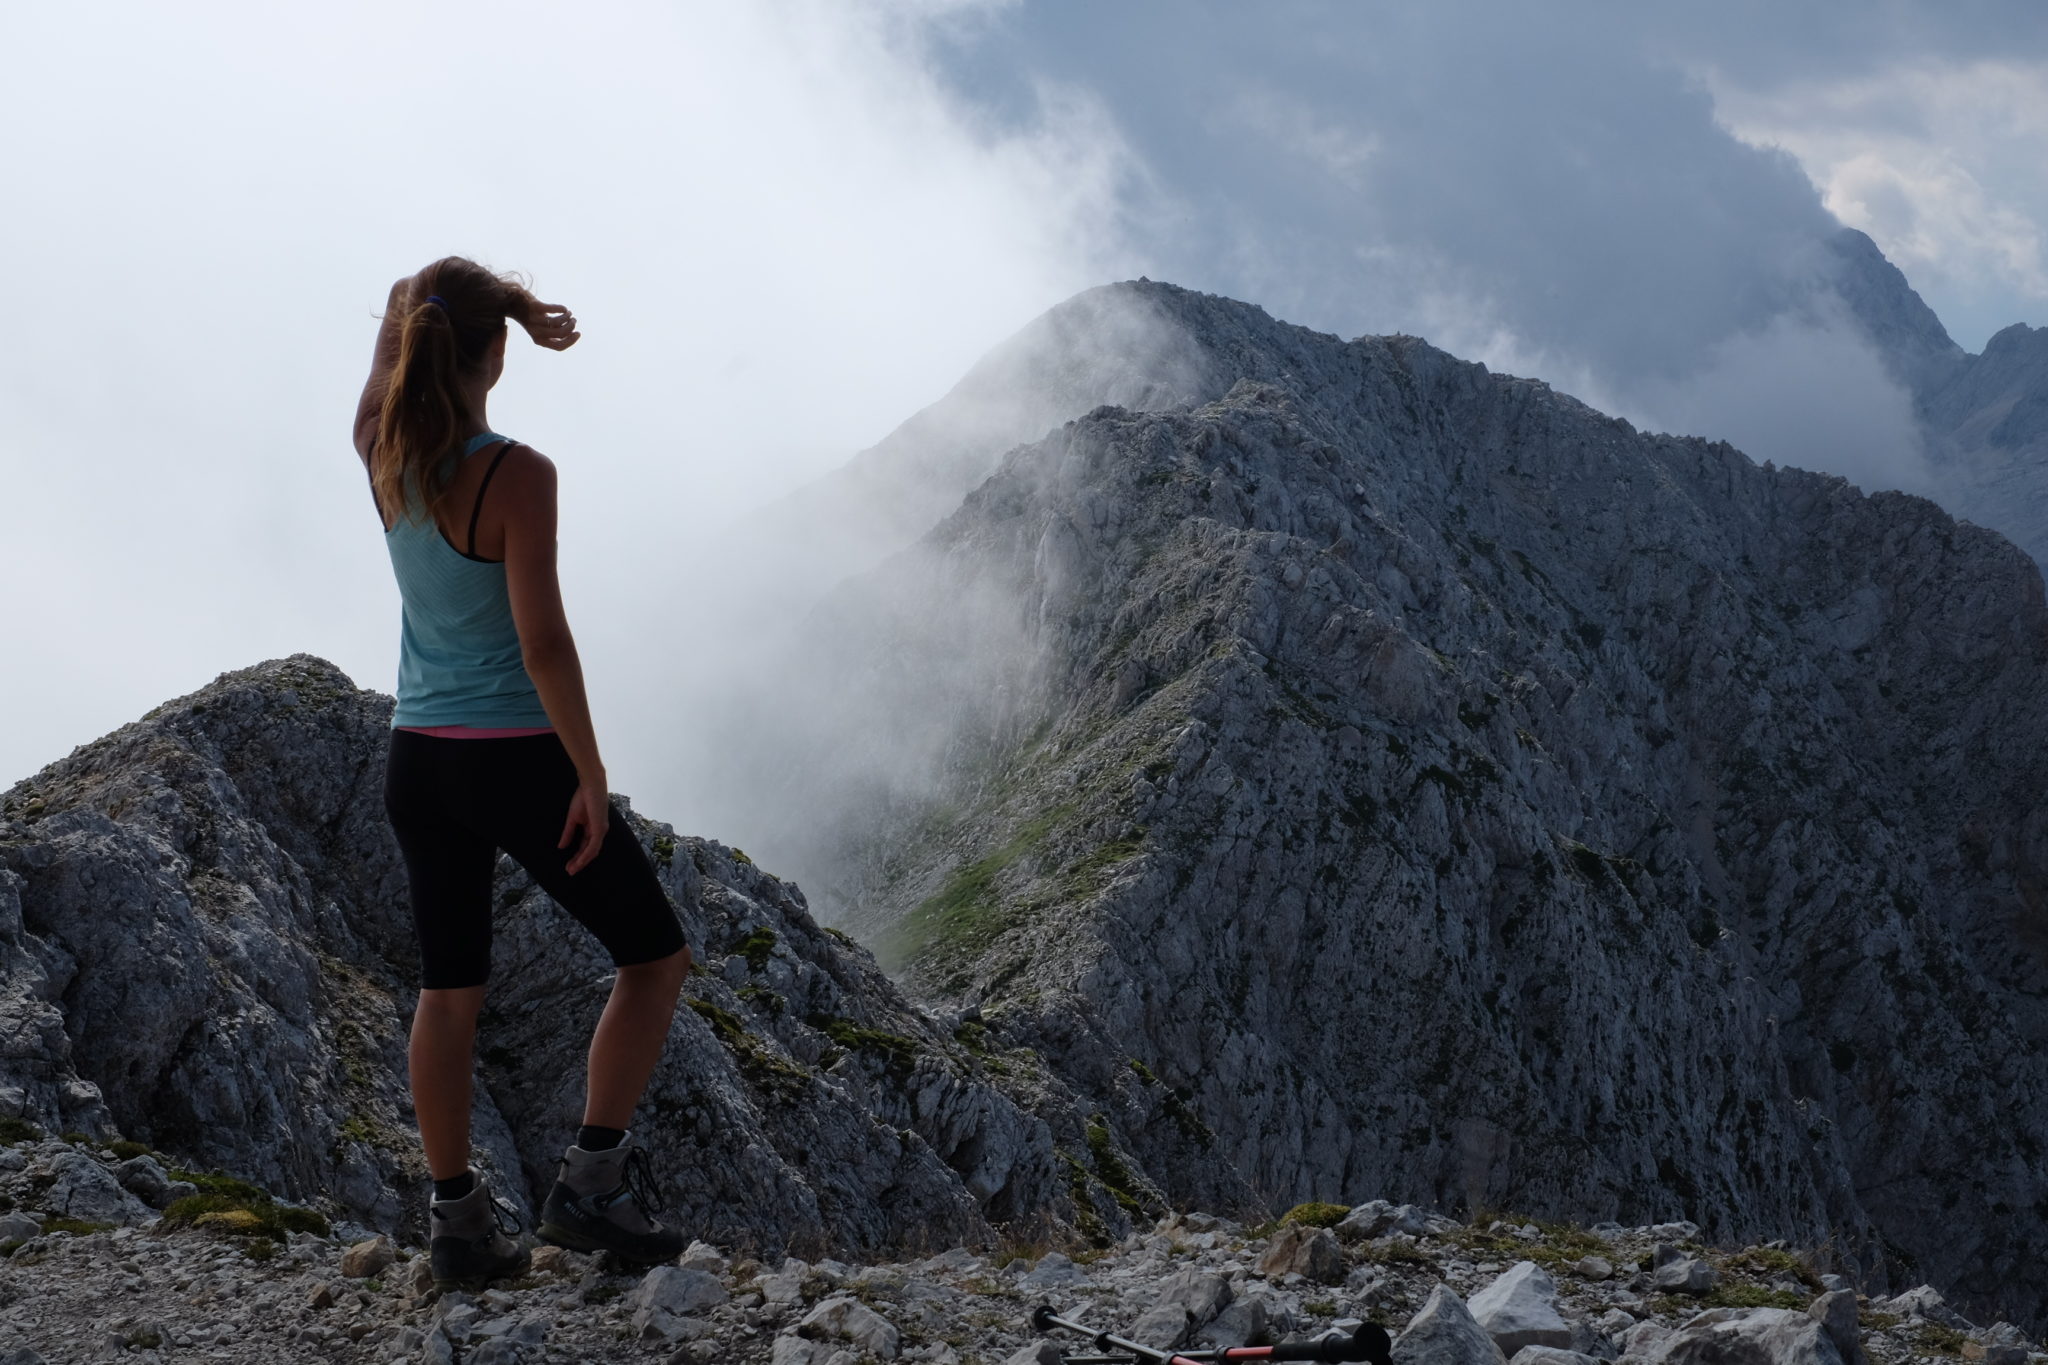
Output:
(666, 972)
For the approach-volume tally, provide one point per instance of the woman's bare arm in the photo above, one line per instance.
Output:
(527, 481)
(382, 361)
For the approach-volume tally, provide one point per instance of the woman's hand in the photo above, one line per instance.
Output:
(589, 808)
(549, 324)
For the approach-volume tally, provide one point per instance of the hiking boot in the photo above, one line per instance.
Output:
(601, 1202)
(472, 1239)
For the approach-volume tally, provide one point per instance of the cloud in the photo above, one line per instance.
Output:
(780, 232)
(1937, 160)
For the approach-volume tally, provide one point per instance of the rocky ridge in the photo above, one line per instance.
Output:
(133, 1289)
(1392, 776)
(205, 948)
(1984, 417)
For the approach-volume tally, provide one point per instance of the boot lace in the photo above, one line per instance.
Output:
(638, 1175)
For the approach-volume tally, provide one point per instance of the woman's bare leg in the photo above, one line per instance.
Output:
(630, 1035)
(441, 1058)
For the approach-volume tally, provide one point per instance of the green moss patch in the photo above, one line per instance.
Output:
(1315, 1214)
(967, 915)
(757, 947)
(237, 1209)
(899, 1054)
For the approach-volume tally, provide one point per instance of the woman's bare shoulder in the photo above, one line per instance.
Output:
(527, 476)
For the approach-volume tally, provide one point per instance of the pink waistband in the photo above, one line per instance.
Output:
(471, 732)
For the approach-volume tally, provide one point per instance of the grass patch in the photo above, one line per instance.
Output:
(1110, 1169)
(756, 947)
(899, 1054)
(18, 1130)
(1773, 1262)
(1947, 1341)
(1315, 1214)
(664, 848)
(127, 1150)
(757, 1063)
(1395, 1251)
(236, 1208)
(77, 1227)
(966, 914)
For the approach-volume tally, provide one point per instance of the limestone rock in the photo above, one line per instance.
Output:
(1836, 1311)
(1754, 1336)
(841, 1316)
(365, 1259)
(1686, 1276)
(1551, 1355)
(1203, 1293)
(1519, 1308)
(82, 1188)
(1444, 1333)
(1165, 1326)
(676, 1290)
(1311, 1252)
(1053, 1270)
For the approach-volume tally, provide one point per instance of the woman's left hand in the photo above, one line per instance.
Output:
(550, 325)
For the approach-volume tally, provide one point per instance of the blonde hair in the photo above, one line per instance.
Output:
(458, 308)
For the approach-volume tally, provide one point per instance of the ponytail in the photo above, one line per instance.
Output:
(447, 328)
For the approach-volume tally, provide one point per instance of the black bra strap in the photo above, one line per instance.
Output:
(478, 511)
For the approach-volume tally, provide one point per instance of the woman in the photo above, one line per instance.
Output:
(492, 748)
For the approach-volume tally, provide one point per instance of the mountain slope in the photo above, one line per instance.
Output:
(1394, 776)
(205, 946)
(1984, 417)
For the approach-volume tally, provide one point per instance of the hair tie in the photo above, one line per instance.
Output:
(436, 298)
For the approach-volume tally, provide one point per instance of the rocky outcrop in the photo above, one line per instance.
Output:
(130, 1294)
(1395, 776)
(205, 946)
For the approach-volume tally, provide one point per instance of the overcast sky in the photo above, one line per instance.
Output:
(785, 226)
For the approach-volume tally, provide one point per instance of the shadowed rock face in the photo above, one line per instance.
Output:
(1395, 778)
(205, 945)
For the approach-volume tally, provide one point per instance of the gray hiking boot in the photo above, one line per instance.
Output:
(471, 1239)
(601, 1202)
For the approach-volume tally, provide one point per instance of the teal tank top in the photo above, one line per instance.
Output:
(458, 650)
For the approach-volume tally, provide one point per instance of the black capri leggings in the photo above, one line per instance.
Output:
(455, 802)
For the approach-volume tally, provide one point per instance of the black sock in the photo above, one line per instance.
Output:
(595, 1139)
(455, 1188)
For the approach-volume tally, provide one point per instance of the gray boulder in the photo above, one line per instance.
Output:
(1752, 1336)
(1551, 1355)
(1836, 1312)
(849, 1319)
(1519, 1308)
(1445, 1333)
(1053, 1271)
(82, 1188)
(676, 1290)
(1309, 1252)
(1686, 1276)
(1203, 1293)
(1165, 1326)
(1252, 1318)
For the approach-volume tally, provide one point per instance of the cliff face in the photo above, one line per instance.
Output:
(1396, 777)
(1984, 418)
(205, 946)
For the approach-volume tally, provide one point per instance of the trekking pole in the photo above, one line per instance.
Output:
(1369, 1343)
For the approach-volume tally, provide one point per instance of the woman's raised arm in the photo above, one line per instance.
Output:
(382, 361)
